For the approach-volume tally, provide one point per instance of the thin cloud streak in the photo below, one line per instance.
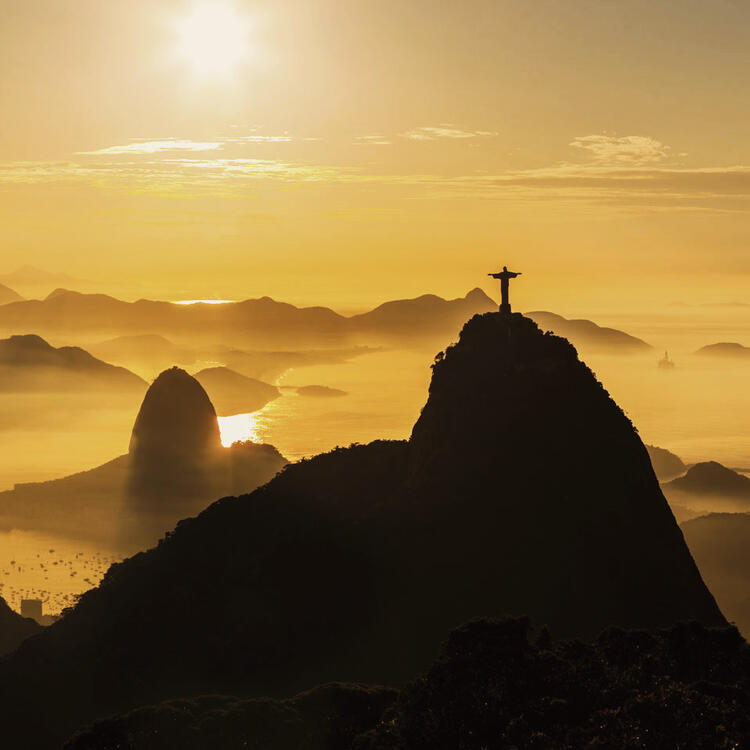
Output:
(176, 144)
(155, 147)
(445, 130)
(629, 149)
(636, 186)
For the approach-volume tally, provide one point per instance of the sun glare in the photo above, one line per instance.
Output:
(239, 427)
(213, 38)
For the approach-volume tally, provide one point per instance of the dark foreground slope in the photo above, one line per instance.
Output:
(354, 565)
(496, 685)
(13, 628)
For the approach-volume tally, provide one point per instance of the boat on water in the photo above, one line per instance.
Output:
(666, 363)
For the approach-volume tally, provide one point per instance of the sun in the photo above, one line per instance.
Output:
(213, 38)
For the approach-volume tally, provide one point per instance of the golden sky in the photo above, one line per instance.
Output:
(345, 152)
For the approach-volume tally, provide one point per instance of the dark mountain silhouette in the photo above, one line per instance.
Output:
(174, 448)
(177, 463)
(720, 544)
(725, 350)
(496, 685)
(353, 565)
(710, 478)
(14, 629)
(666, 464)
(28, 363)
(175, 467)
(588, 335)
(8, 295)
(233, 393)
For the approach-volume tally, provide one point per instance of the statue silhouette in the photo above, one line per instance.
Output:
(505, 276)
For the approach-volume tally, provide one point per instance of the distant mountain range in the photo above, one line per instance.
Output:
(36, 279)
(28, 363)
(8, 295)
(264, 321)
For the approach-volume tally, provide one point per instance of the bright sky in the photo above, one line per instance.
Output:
(345, 152)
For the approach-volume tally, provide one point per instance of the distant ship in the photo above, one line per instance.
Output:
(666, 363)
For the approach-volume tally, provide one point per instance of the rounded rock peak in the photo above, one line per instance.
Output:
(176, 420)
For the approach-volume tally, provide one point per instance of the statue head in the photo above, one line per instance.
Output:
(505, 268)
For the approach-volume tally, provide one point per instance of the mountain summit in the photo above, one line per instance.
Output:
(539, 483)
(524, 490)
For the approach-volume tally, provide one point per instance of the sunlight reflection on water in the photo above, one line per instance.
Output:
(239, 427)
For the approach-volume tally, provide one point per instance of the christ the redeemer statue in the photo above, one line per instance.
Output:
(505, 276)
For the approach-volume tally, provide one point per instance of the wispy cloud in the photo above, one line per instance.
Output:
(628, 149)
(259, 139)
(165, 145)
(372, 140)
(444, 130)
(633, 173)
(155, 147)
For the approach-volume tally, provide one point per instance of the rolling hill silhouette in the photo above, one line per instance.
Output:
(353, 565)
(588, 335)
(29, 363)
(233, 393)
(428, 315)
(666, 464)
(710, 478)
(725, 350)
(149, 350)
(8, 295)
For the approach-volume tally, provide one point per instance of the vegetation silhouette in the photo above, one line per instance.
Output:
(495, 685)
(353, 565)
